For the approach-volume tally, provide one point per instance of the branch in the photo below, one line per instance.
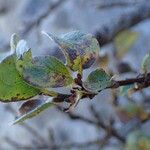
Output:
(110, 4)
(144, 80)
(77, 145)
(106, 33)
(16, 144)
(111, 131)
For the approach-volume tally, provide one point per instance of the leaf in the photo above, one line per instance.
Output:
(12, 86)
(123, 42)
(42, 71)
(137, 140)
(102, 61)
(97, 80)
(31, 109)
(23, 55)
(80, 49)
(124, 90)
(21, 48)
(13, 41)
(130, 111)
(145, 62)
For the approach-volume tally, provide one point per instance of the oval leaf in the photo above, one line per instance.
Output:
(43, 71)
(145, 62)
(31, 109)
(12, 86)
(80, 49)
(97, 81)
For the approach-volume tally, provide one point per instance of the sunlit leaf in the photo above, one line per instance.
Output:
(31, 109)
(42, 71)
(80, 49)
(97, 80)
(137, 140)
(124, 41)
(12, 86)
(145, 62)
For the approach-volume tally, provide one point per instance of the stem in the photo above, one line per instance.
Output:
(145, 79)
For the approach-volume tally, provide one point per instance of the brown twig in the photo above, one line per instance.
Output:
(145, 80)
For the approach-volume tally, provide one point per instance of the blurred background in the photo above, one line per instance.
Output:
(113, 120)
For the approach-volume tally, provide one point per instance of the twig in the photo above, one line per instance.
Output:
(109, 129)
(32, 131)
(17, 145)
(106, 33)
(111, 4)
(97, 123)
(78, 145)
(145, 80)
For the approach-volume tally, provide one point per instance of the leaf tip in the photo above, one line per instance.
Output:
(14, 41)
(47, 34)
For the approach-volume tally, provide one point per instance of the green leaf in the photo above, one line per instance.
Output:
(97, 81)
(12, 86)
(137, 140)
(123, 90)
(145, 62)
(124, 41)
(31, 109)
(80, 49)
(132, 110)
(42, 71)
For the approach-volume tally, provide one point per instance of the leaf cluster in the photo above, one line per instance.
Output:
(24, 77)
